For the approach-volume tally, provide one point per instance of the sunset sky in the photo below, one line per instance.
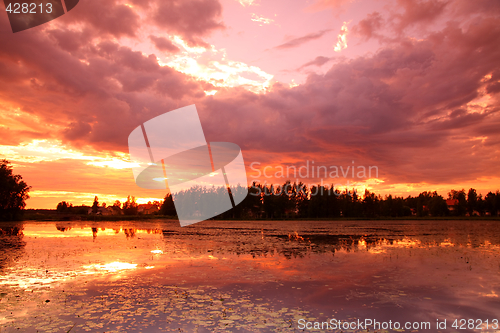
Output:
(412, 87)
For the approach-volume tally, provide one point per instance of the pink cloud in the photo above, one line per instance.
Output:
(419, 12)
(164, 44)
(367, 28)
(337, 5)
(318, 61)
(189, 18)
(106, 17)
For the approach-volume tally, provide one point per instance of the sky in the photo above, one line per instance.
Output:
(409, 87)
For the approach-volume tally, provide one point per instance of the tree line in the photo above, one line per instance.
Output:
(289, 200)
(129, 207)
(292, 200)
(296, 200)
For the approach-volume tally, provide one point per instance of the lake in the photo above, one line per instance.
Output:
(265, 276)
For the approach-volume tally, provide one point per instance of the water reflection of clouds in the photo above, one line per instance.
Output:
(11, 244)
(287, 265)
(170, 245)
(383, 245)
(48, 231)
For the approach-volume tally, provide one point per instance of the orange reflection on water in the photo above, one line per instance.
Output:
(490, 294)
(362, 244)
(114, 250)
(381, 246)
(355, 265)
(48, 231)
(446, 242)
(49, 254)
(112, 266)
(295, 236)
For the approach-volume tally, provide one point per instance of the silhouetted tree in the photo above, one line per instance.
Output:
(437, 205)
(13, 193)
(168, 207)
(252, 204)
(319, 203)
(350, 204)
(95, 205)
(461, 208)
(472, 201)
(130, 206)
(269, 201)
(496, 204)
(63, 206)
(371, 205)
(492, 203)
(301, 199)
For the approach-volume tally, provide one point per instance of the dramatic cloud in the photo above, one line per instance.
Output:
(419, 12)
(367, 28)
(191, 19)
(397, 109)
(164, 44)
(108, 17)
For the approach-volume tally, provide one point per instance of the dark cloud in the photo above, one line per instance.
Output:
(418, 12)
(466, 8)
(77, 131)
(191, 19)
(493, 88)
(71, 40)
(106, 17)
(367, 28)
(164, 44)
(318, 61)
(302, 40)
(462, 120)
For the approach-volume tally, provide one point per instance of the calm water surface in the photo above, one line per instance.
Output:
(247, 276)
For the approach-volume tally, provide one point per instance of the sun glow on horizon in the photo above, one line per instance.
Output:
(52, 150)
(82, 198)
